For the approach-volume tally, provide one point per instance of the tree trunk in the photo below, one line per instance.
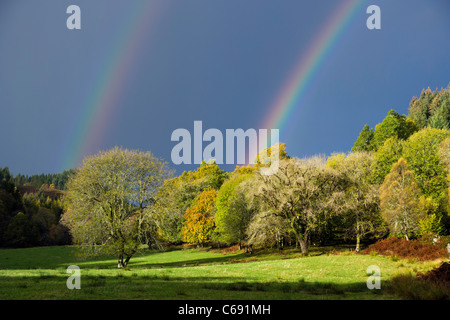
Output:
(120, 262)
(358, 237)
(358, 240)
(304, 244)
(127, 260)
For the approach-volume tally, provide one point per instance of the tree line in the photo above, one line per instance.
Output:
(394, 181)
(57, 180)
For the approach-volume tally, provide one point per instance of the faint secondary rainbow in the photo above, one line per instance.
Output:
(289, 98)
(100, 108)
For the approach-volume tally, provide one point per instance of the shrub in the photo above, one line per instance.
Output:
(407, 286)
(433, 285)
(440, 275)
(402, 248)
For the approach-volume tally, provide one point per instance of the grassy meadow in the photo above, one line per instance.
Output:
(181, 273)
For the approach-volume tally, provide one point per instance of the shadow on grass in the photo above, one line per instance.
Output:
(135, 263)
(133, 286)
(62, 257)
(174, 288)
(409, 287)
(236, 258)
(318, 288)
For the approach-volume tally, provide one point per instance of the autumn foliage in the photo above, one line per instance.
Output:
(440, 275)
(199, 224)
(402, 248)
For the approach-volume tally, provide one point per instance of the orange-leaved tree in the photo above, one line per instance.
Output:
(199, 224)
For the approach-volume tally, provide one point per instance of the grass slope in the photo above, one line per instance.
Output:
(40, 273)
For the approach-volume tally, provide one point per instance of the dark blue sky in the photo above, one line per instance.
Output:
(221, 62)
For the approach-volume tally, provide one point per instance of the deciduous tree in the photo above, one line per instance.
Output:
(199, 224)
(177, 195)
(421, 151)
(303, 193)
(386, 157)
(361, 216)
(399, 200)
(234, 210)
(106, 199)
(393, 125)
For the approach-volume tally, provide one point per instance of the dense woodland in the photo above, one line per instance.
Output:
(394, 181)
(30, 216)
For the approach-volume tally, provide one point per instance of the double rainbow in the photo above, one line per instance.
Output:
(101, 105)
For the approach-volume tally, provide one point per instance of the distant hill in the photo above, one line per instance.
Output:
(46, 191)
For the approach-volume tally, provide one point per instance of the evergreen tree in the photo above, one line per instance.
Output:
(364, 141)
(431, 109)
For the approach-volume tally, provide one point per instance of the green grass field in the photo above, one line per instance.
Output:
(40, 273)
